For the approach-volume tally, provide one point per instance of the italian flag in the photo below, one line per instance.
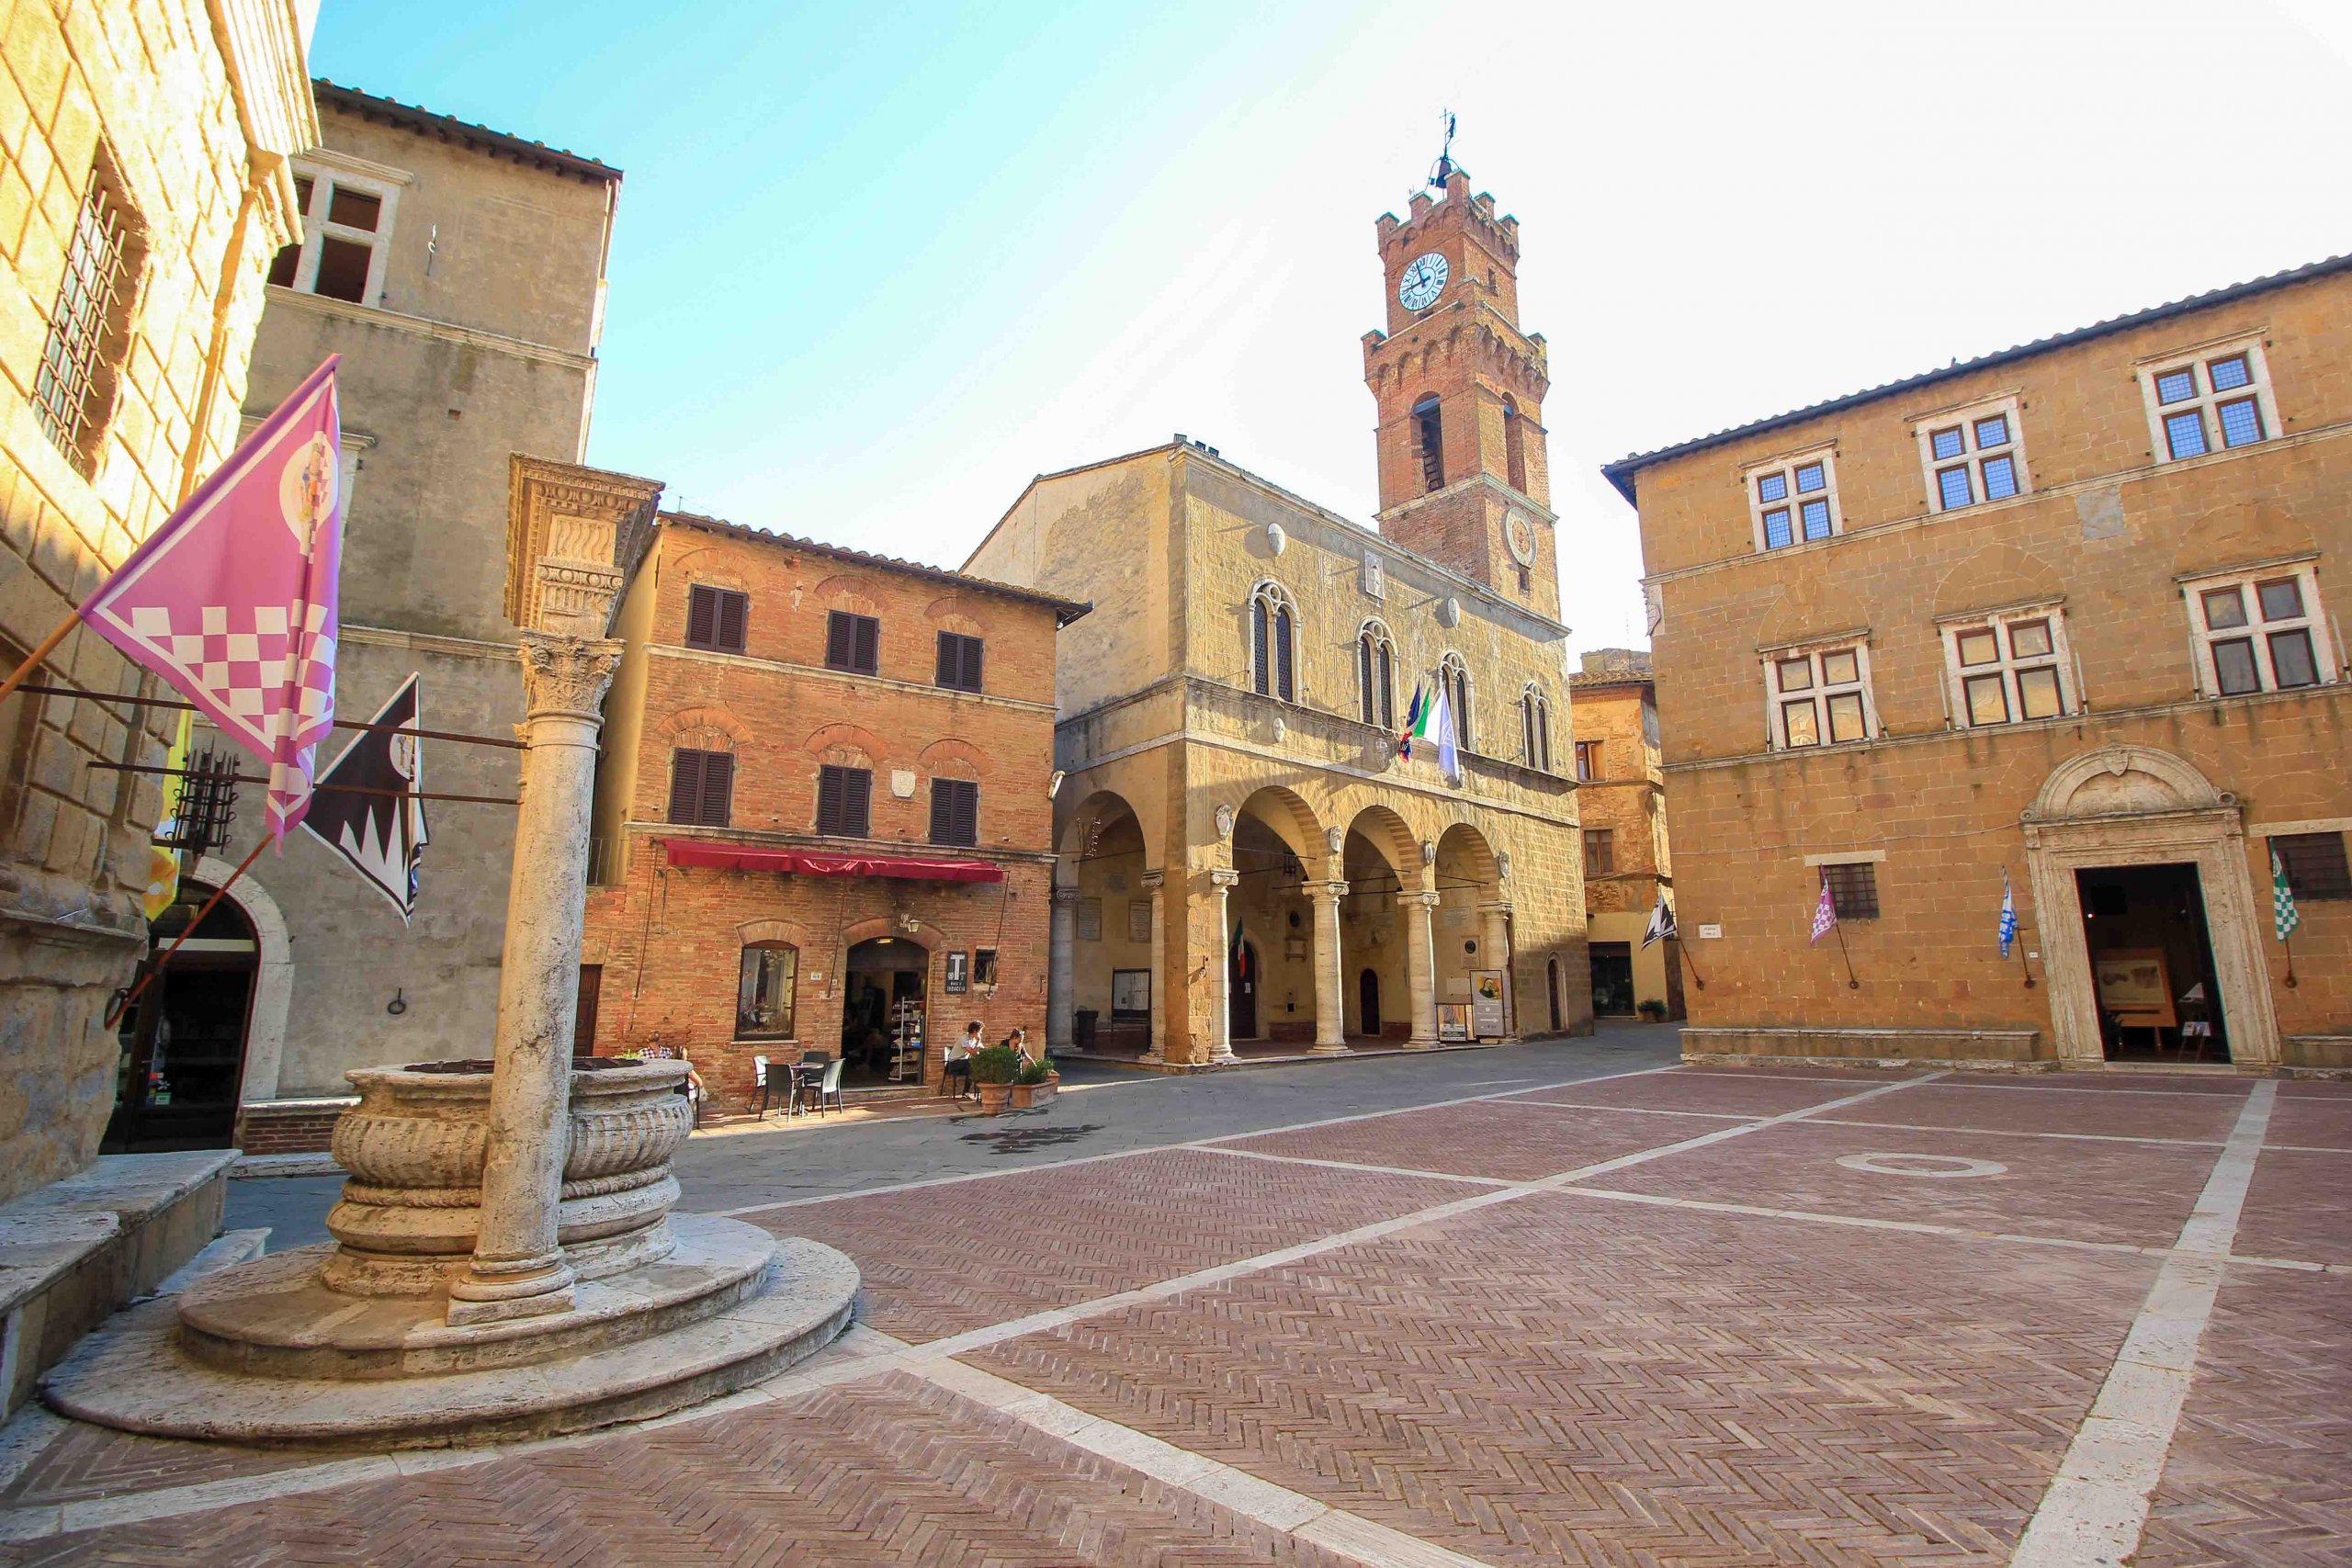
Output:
(1434, 720)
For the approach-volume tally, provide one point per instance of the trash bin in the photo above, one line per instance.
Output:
(1082, 1028)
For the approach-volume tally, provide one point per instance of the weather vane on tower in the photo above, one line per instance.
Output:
(1444, 168)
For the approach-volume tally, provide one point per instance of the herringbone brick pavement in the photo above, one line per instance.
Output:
(2313, 1122)
(2136, 1193)
(2296, 1208)
(891, 1472)
(2260, 1471)
(2035, 1109)
(94, 1461)
(939, 1260)
(1559, 1380)
(1722, 1093)
(1499, 1138)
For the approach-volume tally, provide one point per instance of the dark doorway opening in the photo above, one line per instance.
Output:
(1368, 1002)
(1613, 979)
(1241, 990)
(883, 1012)
(1552, 980)
(2152, 964)
(183, 1045)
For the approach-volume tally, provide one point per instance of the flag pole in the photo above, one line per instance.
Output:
(34, 659)
(2024, 965)
(1851, 984)
(165, 957)
(1682, 951)
(2289, 946)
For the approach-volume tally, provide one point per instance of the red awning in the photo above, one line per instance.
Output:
(741, 857)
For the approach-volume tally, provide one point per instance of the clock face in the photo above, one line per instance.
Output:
(1423, 281)
(1520, 536)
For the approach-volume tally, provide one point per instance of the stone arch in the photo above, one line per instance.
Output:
(1394, 839)
(1089, 819)
(714, 565)
(961, 612)
(273, 982)
(845, 745)
(952, 758)
(750, 932)
(924, 936)
(1462, 850)
(1999, 573)
(1291, 818)
(2241, 531)
(2122, 781)
(707, 730)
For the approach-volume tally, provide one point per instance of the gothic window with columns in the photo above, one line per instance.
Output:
(1274, 642)
(1376, 675)
(1454, 680)
(1535, 723)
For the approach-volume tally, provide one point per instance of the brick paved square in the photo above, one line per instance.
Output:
(938, 1260)
(887, 1472)
(2311, 1121)
(1502, 1139)
(2295, 1208)
(94, 1461)
(2137, 1193)
(2035, 1108)
(1551, 1381)
(2257, 1472)
(1722, 1093)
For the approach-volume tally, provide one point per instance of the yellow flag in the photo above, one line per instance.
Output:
(163, 865)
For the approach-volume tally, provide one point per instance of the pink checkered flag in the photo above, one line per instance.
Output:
(234, 599)
(1825, 913)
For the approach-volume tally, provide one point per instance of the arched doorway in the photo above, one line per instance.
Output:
(1368, 1000)
(1276, 848)
(1381, 865)
(1245, 979)
(184, 1043)
(1104, 976)
(883, 1009)
(1472, 956)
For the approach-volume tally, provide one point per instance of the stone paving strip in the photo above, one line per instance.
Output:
(2097, 1504)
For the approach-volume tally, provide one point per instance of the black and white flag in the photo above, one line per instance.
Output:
(378, 825)
(1661, 922)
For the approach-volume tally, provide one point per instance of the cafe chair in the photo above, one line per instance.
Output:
(828, 1089)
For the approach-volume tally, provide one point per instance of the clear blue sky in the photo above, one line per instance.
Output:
(878, 265)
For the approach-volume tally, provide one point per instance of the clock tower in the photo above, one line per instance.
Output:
(1460, 390)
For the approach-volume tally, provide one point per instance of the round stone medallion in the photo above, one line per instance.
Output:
(1921, 1165)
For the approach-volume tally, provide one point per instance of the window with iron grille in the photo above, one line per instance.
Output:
(959, 661)
(955, 811)
(1599, 851)
(702, 787)
(716, 618)
(74, 389)
(852, 642)
(1853, 890)
(844, 802)
(2316, 866)
(2210, 402)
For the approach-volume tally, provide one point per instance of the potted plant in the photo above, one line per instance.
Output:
(1035, 1084)
(1652, 1011)
(993, 1069)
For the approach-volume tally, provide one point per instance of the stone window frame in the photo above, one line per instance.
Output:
(1376, 673)
(1588, 761)
(2198, 361)
(1535, 726)
(791, 992)
(1271, 601)
(2258, 630)
(2007, 663)
(1599, 852)
(1753, 478)
(1969, 457)
(1819, 692)
(326, 171)
(1453, 678)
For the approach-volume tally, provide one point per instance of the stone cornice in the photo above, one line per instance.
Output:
(284, 298)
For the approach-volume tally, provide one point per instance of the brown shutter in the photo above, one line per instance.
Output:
(734, 609)
(967, 821)
(685, 787)
(701, 616)
(840, 637)
(1282, 653)
(717, 789)
(829, 800)
(857, 794)
(950, 670)
(973, 649)
(1262, 671)
(869, 635)
(955, 811)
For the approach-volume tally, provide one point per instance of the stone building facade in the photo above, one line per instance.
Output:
(1244, 855)
(459, 271)
(2067, 615)
(1621, 792)
(145, 186)
(826, 792)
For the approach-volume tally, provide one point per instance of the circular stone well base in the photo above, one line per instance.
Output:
(134, 1376)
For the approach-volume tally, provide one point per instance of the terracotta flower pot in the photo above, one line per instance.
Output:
(993, 1098)
(1024, 1095)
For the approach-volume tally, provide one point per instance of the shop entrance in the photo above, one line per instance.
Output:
(2152, 964)
(883, 1012)
(1613, 978)
(184, 1043)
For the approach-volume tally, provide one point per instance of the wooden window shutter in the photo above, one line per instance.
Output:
(857, 795)
(840, 638)
(869, 637)
(973, 650)
(717, 789)
(685, 787)
(734, 609)
(829, 800)
(1363, 676)
(950, 662)
(701, 616)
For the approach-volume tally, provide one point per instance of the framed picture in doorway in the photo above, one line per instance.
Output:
(959, 971)
(2133, 985)
(1130, 993)
(1453, 1021)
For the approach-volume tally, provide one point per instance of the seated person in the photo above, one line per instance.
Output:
(958, 1059)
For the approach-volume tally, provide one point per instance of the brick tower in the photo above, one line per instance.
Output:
(1460, 388)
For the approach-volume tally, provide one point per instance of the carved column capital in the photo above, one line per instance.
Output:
(566, 676)
(1155, 880)
(1065, 898)
(1223, 876)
